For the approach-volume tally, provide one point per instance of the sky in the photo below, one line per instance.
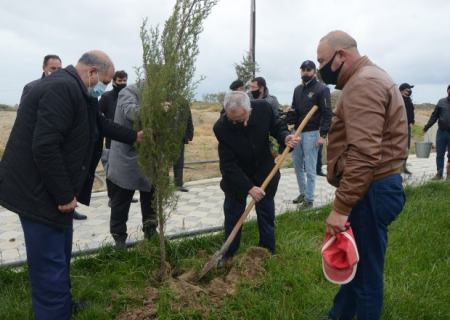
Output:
(406, 38)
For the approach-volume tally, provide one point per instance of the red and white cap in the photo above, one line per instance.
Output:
(340, 257)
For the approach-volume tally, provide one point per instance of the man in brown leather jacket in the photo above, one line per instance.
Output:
(366, 149)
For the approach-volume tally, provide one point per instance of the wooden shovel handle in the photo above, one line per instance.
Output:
(269, 178)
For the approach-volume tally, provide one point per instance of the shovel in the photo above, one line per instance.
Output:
(233, 233)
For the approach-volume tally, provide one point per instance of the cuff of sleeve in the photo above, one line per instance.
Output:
(341, 207)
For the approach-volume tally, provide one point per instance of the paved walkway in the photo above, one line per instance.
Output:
(200, 208)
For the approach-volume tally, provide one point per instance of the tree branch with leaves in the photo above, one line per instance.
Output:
(167, 74)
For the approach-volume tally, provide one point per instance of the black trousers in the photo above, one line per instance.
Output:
(178, 168)
(319, 159)
(120, 206)
(265, 213)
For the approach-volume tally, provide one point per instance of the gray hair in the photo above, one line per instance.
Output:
(91, 59)
(237, 99)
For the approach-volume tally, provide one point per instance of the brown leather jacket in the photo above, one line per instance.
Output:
(369, 133)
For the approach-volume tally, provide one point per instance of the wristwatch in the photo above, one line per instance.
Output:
(324, 136)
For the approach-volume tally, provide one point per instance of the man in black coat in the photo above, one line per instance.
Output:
(246, 161)
(178, 166)
(51, 64)
(406, 91)
(48, 166)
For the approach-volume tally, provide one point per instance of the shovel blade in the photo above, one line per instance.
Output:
(213, 261)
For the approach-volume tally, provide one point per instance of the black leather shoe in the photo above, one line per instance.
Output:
(406, 171)
(134, 200)
(299, 199)
(183, 189)
(79, 216)
(321, 173)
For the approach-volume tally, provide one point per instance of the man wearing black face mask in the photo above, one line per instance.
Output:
(405, 90)
(107, 107)
(367, 146)
(259, 90)
(306, 95)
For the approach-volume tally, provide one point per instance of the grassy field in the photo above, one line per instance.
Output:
(123, 284)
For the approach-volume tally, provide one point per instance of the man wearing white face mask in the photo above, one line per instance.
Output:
(48, 167)
(51, 63)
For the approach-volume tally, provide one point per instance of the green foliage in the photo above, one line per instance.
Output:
(246, 69)
(167, 77)
(214, 97)
(6, 107)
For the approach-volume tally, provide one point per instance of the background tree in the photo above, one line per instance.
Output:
(214, 97)
(246, 69)
(167, 76)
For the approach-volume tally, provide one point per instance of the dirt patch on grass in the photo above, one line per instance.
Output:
(202, 298)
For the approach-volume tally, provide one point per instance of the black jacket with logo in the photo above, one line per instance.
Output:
(307, 96)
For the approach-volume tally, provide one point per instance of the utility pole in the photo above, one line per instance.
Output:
(252, 31)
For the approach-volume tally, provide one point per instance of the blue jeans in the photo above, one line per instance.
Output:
(304, 156)
(442, 143)
(369, 219)
(49, 251)
(265, 212)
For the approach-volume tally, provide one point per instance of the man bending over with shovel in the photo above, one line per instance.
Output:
(245, 162)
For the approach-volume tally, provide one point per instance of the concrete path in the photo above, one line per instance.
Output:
(200, 208)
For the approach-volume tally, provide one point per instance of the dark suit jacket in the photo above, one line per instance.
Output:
(245, 157)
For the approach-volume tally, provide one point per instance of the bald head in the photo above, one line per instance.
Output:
(336, 53)
(98, 59)
(95, 66)
(339, 40)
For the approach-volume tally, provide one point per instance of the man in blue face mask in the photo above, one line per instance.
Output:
(48, 166)
(52, 63)
(367, 146)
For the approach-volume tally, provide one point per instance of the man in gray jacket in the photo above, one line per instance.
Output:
(259, 90)
(126, 175)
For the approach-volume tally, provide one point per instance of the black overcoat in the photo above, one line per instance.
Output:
(245, 156)
(53, 149)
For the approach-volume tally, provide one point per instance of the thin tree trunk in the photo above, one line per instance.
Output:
(162, 244)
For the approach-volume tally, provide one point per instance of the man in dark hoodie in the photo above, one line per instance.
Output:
(48, 166)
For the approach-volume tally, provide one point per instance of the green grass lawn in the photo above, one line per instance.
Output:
(417, 275)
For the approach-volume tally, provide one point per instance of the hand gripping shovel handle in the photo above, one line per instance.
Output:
(238, 225)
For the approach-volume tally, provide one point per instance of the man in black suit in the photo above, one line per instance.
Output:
(245, 161)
